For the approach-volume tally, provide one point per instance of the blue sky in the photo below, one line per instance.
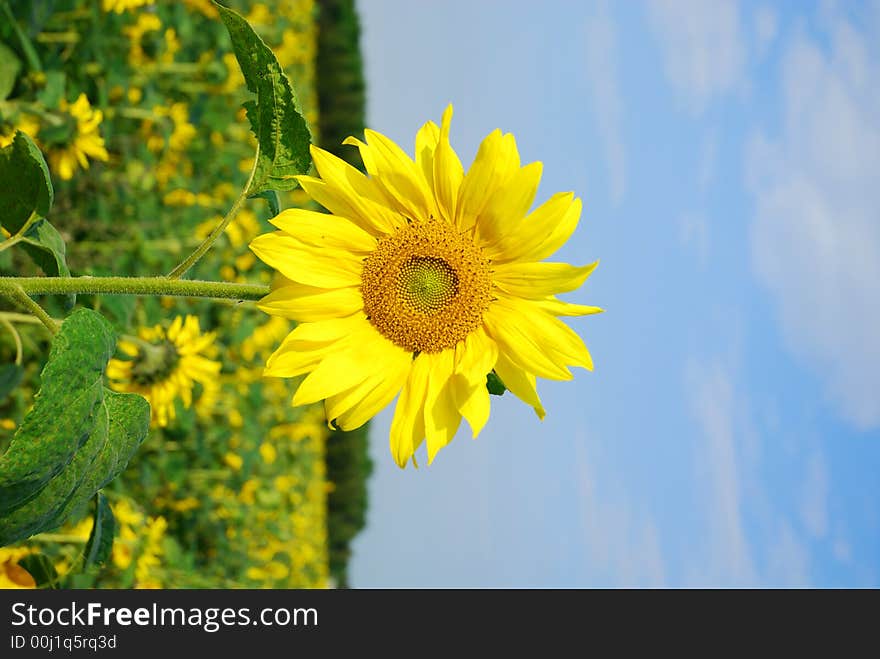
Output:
(728, 156)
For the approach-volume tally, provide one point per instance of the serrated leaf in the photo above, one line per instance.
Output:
(24, 179)
(77, 437)
(10, 65)
(281, 130)
(40, 567)
(494, 384)
(100, 543)
(10, 376)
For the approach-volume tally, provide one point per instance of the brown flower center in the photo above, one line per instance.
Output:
(425, 287)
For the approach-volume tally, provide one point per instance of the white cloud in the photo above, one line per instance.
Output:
(601, 71)
(815, 237)
(703, 49)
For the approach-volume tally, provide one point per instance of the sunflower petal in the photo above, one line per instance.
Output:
(472, 402)
(360, 357)
(509, 204)
(373, 217)
(448, 172)
(354, 407)
(308, 303)
(520, 382)
(541, 233)
(426, 143)
(324, 230)
(388, 386)
(408, 424)
(560, 308)
(496, 161)
(316, 266)
(442, 417)
(539, 280)
(400, 177)
(517, 339)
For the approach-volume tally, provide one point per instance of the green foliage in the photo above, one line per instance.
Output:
(77, 437)
(348, 468)
(9, 68)
(10, 377)
(42, 242)
(40, 567)
(27, 187)
(341, 86)
(100, 542)
(281, 130)
(494, 384)
(342, 102)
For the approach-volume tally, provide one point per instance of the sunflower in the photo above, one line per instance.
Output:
(165, 365)
(423, 280)
(86, 141)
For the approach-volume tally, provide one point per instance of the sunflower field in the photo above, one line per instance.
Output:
(124, 150)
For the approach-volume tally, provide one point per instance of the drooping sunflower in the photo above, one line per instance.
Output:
(422, 280)
(164, 365)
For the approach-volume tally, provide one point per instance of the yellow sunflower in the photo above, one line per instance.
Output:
(86, 142)
(12, 575)
(422, 281)
(165, 365)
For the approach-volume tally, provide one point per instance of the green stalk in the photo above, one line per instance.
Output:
(129, 286)
(191, 260)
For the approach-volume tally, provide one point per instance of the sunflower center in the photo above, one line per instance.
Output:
(425, 287)
(154, 363)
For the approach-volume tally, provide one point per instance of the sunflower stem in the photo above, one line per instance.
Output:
(200, 251)
(21, 287)
(12, 288)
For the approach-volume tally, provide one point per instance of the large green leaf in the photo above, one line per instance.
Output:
(24, 179)
(77, 437)
(281, 130)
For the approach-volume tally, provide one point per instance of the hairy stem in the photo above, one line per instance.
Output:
(128, 286)
(15, 292)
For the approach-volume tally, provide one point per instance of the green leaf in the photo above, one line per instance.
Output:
(10, 65)
(76, 438)
(282, 132)
(24, 179)
(100, 542)
(271, 198)
(494, 384)
(46, 247)
(10, 376)
(40, 567)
